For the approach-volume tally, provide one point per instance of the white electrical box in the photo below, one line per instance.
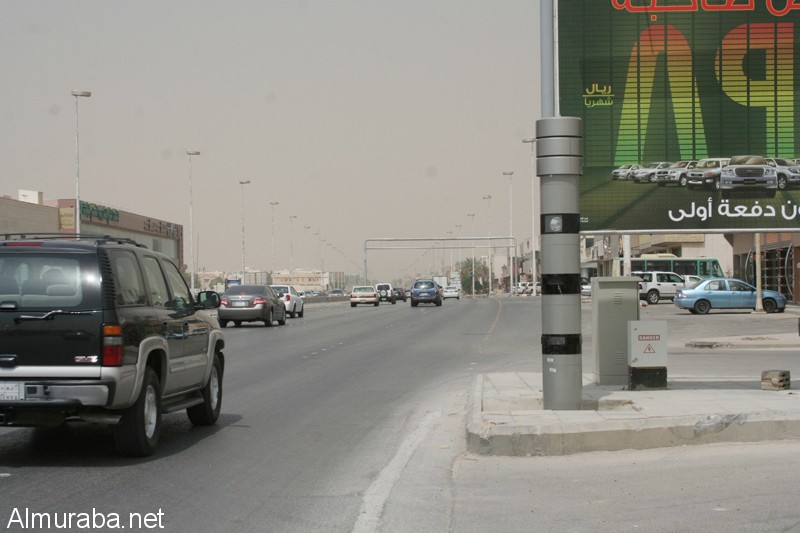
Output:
(647, 343)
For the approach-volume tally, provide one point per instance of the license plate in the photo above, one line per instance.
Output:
(240, 304)
(11, 390)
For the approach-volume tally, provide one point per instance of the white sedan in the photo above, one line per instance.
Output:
(451, 292)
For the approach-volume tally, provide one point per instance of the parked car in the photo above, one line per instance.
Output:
(292, 300)
(648, 173)
(727, 293)
(386, 292)
(690, 280)
(624, 172)
(538, 288)
(674, 174)
(106, 331)
(365, 294)
(400, 294)
(337, 293)
(426, 291)
(748, 174)
(451, 292)
(251, 303)
(787, 170)
(706, 173)
(586, 287)
(656, 286)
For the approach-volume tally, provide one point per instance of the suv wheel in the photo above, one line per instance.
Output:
(682, 181)
(137, 433)
(300, 313)
(207, 413)
(652, 297)
(716, 186)
(783, 184)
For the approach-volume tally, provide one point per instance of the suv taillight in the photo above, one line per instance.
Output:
(288, 297)
(112, 345)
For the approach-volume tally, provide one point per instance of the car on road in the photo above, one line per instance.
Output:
(647, 173)
(337, 293)
(400, 294)
(727, 293)
(251, 303)
(386, 292)
(623, 173)
(103, 330)
(748, 174)
(451, 292)
(364, 294)
(656, 285)
(426, 291)
(292, 300)
(787, 170)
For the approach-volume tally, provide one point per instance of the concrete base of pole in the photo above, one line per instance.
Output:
(562, 381)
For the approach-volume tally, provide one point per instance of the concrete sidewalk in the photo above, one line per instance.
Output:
(506, 416)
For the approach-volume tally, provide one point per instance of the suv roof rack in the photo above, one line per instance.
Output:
(70, 236)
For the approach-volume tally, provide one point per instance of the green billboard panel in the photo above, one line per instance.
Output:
(679, 87)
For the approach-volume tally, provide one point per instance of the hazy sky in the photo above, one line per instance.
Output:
(362, 118)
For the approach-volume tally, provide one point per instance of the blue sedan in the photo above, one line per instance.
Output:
(727, 293)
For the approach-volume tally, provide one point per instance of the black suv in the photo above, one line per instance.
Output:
(104, 330)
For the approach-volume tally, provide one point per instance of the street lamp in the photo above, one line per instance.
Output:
(190, 153)
(77, 95)
(291, 251)
(534, 188)
(472, 216)
(510, 234)
(307, 262)
(488, 197)
(273, 204)
(243, 183)
(458, 227)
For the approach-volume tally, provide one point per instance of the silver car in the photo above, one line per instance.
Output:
(788, 172)
(648, 174)
(706, 173)
(250, 303)
(748, 174)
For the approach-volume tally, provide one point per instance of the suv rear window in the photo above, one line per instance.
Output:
(46, 280)
(423, 285)
(383, 287)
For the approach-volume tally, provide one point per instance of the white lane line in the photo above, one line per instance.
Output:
(378, 492)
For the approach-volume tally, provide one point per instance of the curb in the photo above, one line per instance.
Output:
(555, 433)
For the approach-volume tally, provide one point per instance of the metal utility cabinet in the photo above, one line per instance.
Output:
(615, 302)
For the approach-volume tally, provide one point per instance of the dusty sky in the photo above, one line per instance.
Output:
(362, 118)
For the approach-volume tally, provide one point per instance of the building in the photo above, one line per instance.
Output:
(30, 213)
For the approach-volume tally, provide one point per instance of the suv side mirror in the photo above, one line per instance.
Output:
(208, 299)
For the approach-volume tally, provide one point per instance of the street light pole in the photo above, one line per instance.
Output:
(472, 216)
(458, 227)
(489, 198)
(534, 190)
(77, 95)
(190, 153)
(510, 234)
(273, 204)
(243, 183)
(291, 251)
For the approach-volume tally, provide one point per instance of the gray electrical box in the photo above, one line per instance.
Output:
(615, 302)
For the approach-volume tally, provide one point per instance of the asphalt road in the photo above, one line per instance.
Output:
(353, 420)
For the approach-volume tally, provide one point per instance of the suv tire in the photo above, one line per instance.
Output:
(653, 297)
(207, 413)
(137, 433)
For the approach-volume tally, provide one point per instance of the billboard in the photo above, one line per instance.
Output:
(658, 82)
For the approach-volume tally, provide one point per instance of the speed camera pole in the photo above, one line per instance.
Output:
(559, 164)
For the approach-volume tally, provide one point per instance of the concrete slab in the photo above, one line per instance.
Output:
(506, 416)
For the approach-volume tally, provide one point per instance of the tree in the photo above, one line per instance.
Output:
(481, 276)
